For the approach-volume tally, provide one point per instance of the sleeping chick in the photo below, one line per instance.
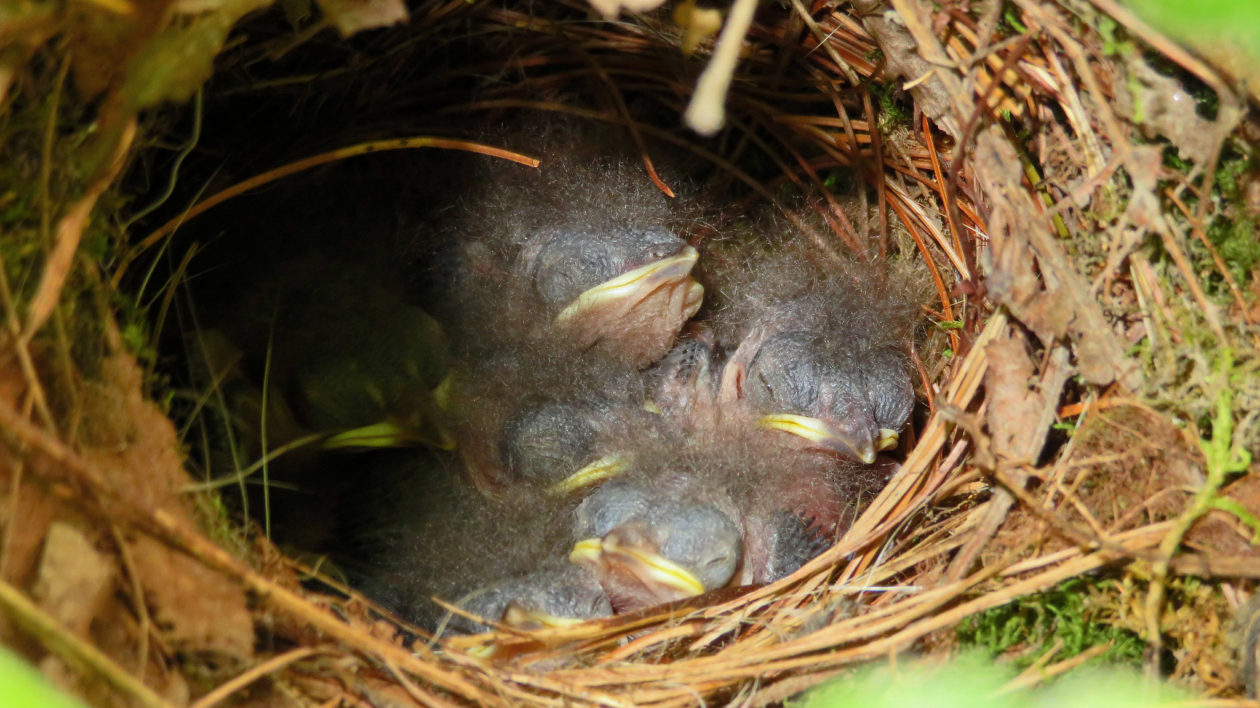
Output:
(556, 595)
(583, 250)
(683, 386)
(647, 546)
(713, 511)
(821, 351)
(414, 529)
(535, 418)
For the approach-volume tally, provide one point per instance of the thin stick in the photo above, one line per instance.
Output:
(252, 674)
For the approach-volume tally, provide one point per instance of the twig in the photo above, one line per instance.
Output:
(1197, 227)
(137, 598)
(275, 663)
(1224, 455)
(174, 532)
(22, 348)
(1032, 677)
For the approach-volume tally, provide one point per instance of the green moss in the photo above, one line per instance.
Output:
(895, 106)
(1233, 229)
(1025, 629)
(1010, 23)
(1238, 246)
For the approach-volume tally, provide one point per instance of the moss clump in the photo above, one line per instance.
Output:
(1023, 630)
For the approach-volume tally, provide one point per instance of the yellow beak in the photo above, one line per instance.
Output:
(635, 283)
(586, 551)
(656, 568)
(817, 431)
(521, 618)
(597, 471)
(389, 434)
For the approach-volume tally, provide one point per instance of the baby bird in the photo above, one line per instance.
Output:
(583, 251)
(373, 371)
(713, 511)
(683, 386)
(556, 595)
(646, 546)
(414, 529)
(821, 351)
(309, 283)
(536, 418)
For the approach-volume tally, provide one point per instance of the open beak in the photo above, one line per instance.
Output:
(820, 433)
(604, 468)
(637, 284)
(888, 439)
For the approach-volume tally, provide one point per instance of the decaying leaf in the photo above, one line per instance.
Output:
(74, 579)
(195, 607)
(177, 61)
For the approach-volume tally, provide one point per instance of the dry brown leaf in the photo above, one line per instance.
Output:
(1014, 408)
(1162, 106)
(74, 578)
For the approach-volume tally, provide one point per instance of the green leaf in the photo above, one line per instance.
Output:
(21, 686)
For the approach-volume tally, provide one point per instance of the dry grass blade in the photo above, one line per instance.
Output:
(68, 234)
(224, 691)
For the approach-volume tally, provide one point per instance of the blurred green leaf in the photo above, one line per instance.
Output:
(971, 681)
(21, 686)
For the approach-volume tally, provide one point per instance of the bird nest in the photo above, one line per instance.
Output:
(1081, 191)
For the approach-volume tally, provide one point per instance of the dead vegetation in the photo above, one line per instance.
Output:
(1094, 416)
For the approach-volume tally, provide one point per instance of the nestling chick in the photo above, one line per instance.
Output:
(556, 595)
(716, 510)
(821, 351)
(683, 387)
(375, 372)
(308, 282)
(647, 546)
(416, 530)
(536, 418)
(582, 250)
